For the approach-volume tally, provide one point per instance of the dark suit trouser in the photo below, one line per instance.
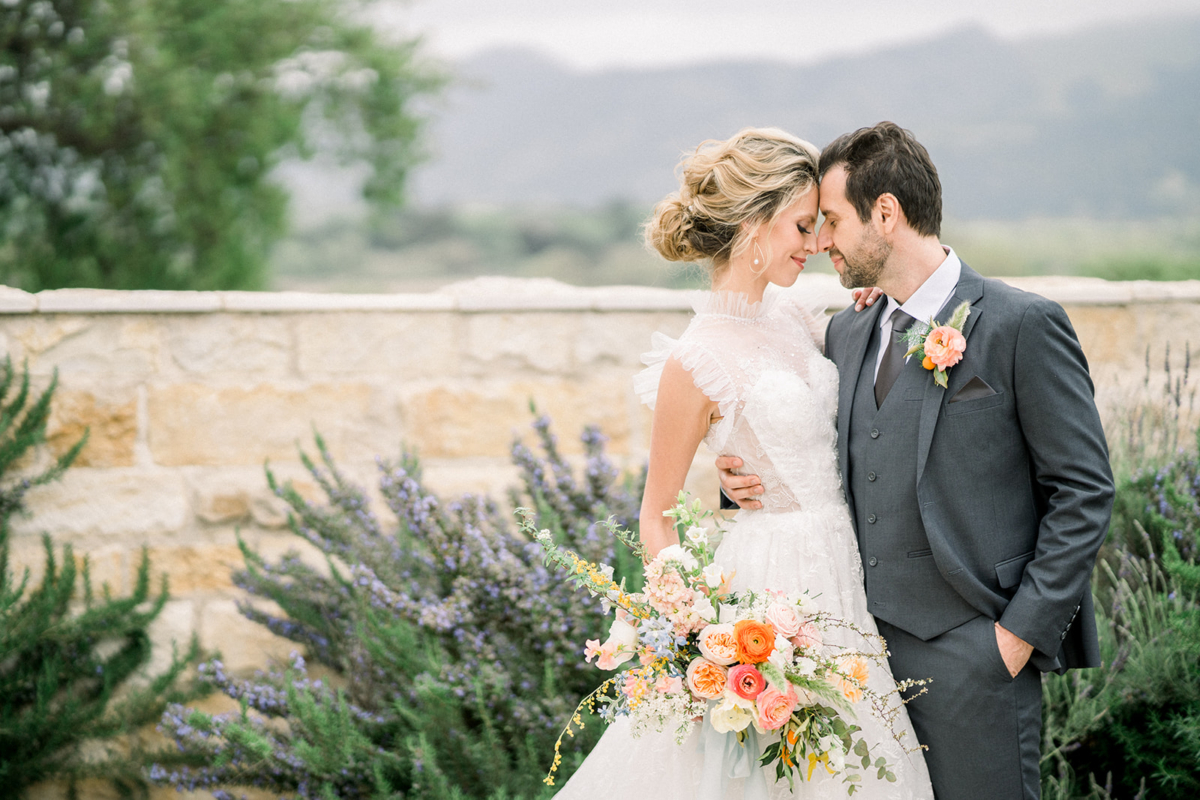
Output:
(982, 726)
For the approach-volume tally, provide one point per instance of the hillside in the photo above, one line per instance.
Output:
(1101, 123)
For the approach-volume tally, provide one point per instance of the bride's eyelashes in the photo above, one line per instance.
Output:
(803, 230)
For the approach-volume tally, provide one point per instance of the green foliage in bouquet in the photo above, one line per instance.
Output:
(1132, 727)
(67, 657)
(452, 650)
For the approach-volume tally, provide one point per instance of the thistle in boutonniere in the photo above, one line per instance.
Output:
(939, 346)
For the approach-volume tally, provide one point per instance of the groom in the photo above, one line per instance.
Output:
(979, 507)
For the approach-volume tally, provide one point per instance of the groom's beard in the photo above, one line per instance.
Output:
(866, 265)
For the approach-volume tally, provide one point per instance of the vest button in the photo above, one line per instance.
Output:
(875, 433)
(875, 561)
(870, 476)
(871, 519)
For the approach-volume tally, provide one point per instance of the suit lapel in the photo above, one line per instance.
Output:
(969, 289)
(858, 339)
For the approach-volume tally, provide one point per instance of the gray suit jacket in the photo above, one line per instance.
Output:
(1013, 476)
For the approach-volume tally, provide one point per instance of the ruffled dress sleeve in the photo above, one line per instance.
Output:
(707, 369)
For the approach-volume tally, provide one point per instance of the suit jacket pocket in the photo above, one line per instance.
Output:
(978, 404)
(974, 389)
(920, 553)
(1010, 571)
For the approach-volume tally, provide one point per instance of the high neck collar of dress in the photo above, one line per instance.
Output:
(733, 304)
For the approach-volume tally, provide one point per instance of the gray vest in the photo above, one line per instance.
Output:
(904, 586)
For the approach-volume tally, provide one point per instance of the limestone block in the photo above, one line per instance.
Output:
(108, 415)
(126, 502)
(244, 645)
(480, 419)
(116, 301)
(215, 343)
(110, 565)
(406, 346)
(492, 477)
(193, 423)
(538, 342)
(172, 628)
(274, 546)
(116, 345)
(621, 338)
(15, 301)
(196, 568)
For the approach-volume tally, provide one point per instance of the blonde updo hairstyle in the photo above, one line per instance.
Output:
(726, 187)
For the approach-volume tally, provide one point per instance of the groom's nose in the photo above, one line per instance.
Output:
(824, 239)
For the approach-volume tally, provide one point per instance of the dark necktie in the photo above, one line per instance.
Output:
(893, 357)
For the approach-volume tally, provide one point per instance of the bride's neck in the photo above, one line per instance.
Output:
(738, 277)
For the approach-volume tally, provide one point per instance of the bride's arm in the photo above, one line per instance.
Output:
(681, 417)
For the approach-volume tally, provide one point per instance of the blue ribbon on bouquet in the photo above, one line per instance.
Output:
(725, 758)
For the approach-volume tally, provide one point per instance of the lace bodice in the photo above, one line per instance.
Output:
(777, 394)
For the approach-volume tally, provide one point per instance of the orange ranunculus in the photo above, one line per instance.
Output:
(706, 679)
(755, 641)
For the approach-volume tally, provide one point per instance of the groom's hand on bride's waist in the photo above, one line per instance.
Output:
(741, 489)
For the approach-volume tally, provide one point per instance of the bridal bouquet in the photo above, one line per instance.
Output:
(744, 665)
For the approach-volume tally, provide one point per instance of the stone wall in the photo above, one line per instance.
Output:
(187, 395)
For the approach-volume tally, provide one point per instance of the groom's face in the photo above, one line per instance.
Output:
(857, 249)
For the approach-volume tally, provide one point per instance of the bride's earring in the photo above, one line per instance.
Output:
(758, 257)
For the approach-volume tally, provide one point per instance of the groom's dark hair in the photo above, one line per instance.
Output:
(883, 159)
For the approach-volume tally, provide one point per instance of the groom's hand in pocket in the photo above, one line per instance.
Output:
(741, 489)
(1013, 649)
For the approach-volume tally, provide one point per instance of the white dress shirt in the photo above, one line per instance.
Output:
(925, 302)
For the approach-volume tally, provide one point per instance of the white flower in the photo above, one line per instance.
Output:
(680, 556)
(704, 609)
(806, 605)
(731, 714)
(544, 536)
(696, 535)
(781, 656)
(806, 666)
(727, 613)
(713, 576)
(624, 635)
(606, 571)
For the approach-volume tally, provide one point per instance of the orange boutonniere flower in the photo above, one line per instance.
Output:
(939, 346)
(755, 641)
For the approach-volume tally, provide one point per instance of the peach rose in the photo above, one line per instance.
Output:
(808, 637)
(705, 679)
(746, 681)
(856, 672)
(755, 640)
(944, 346)
(783, 619)
(717, 644)
(773, 708)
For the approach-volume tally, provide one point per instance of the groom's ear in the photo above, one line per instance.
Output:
(887, 213)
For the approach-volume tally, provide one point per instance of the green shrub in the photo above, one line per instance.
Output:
(1132, 727)
(65, 671)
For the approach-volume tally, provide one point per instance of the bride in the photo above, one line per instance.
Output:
(748, 377)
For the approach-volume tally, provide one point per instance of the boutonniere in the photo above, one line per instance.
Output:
(938, 346)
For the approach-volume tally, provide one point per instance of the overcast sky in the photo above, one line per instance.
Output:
(602, 34)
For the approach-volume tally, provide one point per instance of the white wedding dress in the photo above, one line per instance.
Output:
(777, 395)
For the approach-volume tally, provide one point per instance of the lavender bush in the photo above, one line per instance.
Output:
(454, 651)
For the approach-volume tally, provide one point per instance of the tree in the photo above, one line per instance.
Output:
(137, 137)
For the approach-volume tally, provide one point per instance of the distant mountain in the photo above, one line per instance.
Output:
(1102, 123)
